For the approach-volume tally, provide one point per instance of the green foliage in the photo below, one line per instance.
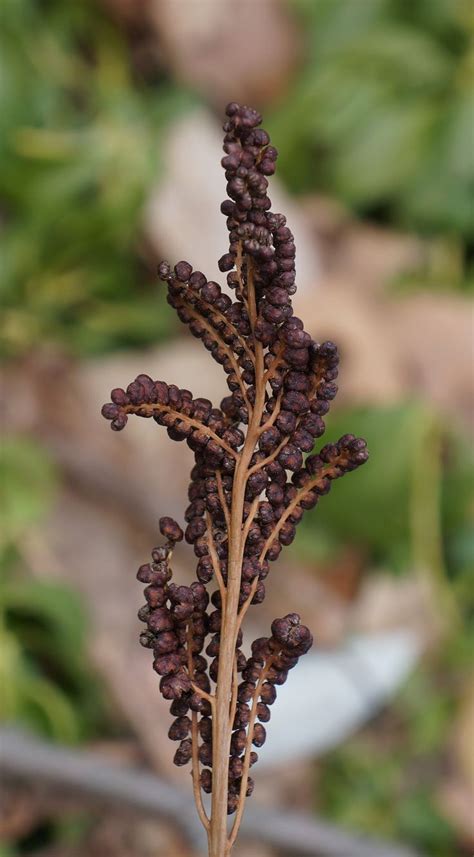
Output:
(411, 505)
(410, 509)
(383, 780)
(27, 482)
(67, 831)
(79, 151)
(42, 666)
(458, 513)
(45, 680)
(383, 109)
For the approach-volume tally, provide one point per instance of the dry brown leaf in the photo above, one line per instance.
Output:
(228, 51)
(464, 737)
(128, 11)
(369, 370)
(386, 602)
(18, 815)
(456, 800)
(435, 343)
(394, 348)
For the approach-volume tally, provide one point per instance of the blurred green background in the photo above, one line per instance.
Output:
(371, 106)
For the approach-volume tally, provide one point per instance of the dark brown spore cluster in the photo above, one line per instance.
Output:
(283, 481)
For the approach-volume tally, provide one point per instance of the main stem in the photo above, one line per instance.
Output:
(219, 845)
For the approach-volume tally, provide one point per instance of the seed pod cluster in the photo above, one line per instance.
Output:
(255, 452)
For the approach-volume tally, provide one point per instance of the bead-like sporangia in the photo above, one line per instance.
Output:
(255, 474)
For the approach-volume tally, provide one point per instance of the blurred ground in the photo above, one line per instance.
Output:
(111, 147)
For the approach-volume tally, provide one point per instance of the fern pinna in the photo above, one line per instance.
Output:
(254, 476)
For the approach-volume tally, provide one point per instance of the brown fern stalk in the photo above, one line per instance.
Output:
(252, 481)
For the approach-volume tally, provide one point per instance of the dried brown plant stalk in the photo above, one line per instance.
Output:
(251, 483)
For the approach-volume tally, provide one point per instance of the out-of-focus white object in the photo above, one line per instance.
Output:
(330, 694)
(183, 217)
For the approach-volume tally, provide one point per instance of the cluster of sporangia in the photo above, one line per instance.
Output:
(281, 483)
